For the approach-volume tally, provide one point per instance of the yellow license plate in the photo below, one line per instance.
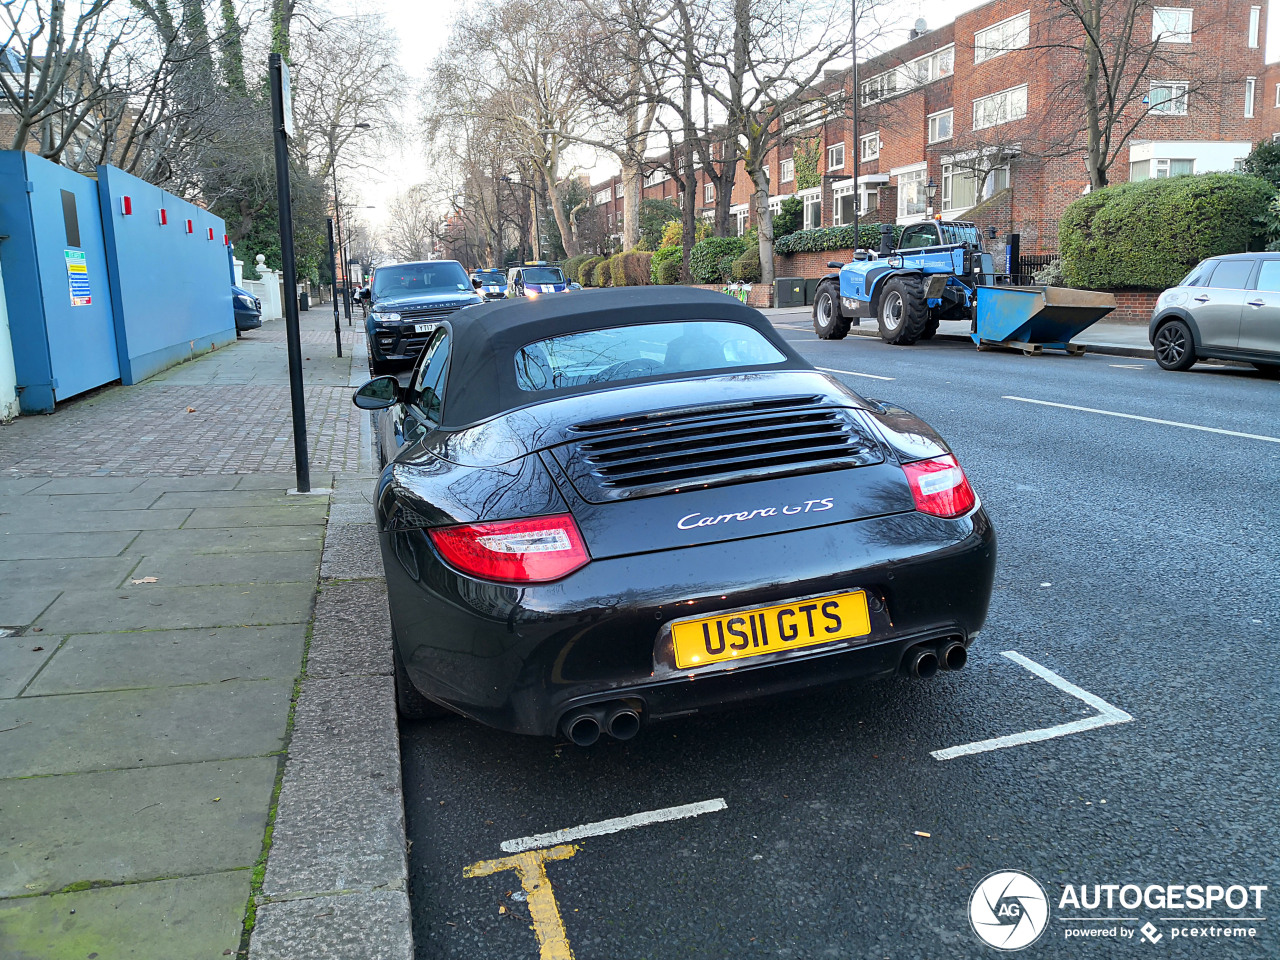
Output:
(750, 633)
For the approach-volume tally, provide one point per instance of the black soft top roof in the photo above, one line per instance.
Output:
(482, 374)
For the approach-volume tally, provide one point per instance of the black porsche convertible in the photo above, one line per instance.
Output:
(604, 510)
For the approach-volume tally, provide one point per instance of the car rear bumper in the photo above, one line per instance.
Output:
(520, 658)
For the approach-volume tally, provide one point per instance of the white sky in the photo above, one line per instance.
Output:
(423, 27)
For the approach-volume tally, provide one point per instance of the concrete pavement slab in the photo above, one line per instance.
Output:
(188, 918)
(91, 485)
(352, 511)
(352, 631)
(81, 502)
(244, 540)
(100, 572)
(125, 825)
(281, 481)
(153, 606)
(351, 552)
(165, 725)
(345, 729)
(154, 658)
(186, 570)
(68, 521)
(21, 606)
(15, 486)
(20, 659)
(307, 511)
(351, 926)
(51, 546)
(210, 482)
(228, 498)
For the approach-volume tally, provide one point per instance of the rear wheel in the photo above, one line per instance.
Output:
(828, 324)
(410, 704)
(1175, 350)
(903, 314)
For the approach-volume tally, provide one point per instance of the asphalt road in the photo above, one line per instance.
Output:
(1138, 561)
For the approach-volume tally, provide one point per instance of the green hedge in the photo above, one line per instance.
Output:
(1148, 234)
(631, 269)
(833, 238)
(669, 254)
(602, 273)
(573, 263)
(706, 256)
(587, 271)
(746, 269)
(669, 271)
(789, 218)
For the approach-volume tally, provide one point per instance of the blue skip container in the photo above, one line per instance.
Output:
(1032, 318)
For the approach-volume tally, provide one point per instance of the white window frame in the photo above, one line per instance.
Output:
(1012, 33)
(950, 114)
(812, 199)
(786, 170)
(1160, 31)
(831, 156)
(1175, 97)
(1250, 96)
(1255, 26)
(655, 177)
(709, 193)
(602, 196)
(869, 147)
(1009, 116)
(920, 172)
(619, 190)
(914, 73)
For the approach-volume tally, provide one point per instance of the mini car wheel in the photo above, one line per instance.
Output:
(410, 704)
(903, 314)
(1175, 350)
(828, 324)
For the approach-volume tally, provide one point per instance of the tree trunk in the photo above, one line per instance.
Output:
(567, 239)
(632, 193)
(764, 225)
(1094, 161)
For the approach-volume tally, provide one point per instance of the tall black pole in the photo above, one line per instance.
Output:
(346, 272)
(857, 144)
(282, 124)
(333, 266)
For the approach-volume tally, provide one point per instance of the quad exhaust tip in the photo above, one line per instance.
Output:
(955, 656)
(922, 662)
(620, 720)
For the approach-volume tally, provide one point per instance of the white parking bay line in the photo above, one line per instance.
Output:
(1132, 416)
(615, 825)
(1106, 716)
(854, 373)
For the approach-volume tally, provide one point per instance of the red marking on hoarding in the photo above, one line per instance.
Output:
(126, 206)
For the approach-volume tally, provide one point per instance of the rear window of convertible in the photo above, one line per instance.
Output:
(613, 354)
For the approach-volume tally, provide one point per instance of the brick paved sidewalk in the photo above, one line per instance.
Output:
(157, 586)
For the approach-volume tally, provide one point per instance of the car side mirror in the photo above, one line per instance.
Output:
(834, 264)
(575, 286)
(378, 394)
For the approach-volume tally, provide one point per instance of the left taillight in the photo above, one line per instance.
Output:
(940, 487)
(534, 550)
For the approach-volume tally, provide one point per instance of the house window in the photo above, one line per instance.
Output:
(1171, 24)
(959, 188)
(1250, 88)
(618, 191)
(911, 198)
(1278, 95)
(940, 126)
(1002, 107)
(835, 156)
(869, 146)
(709, 193)
(602, 196)
(1255, 23)
(914, 73)
(813, 211)
(1160, 169)
(786, 171)
(1169, 98)
(1002, 37)
(741, 222)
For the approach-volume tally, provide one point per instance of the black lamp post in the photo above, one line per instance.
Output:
(337, 215)
(930, 189)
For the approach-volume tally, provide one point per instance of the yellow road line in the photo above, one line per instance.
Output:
(530, 866)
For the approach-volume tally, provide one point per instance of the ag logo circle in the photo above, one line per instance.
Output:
(1008, 910)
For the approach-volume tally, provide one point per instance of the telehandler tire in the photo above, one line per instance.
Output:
(828, 323)
(902, 312)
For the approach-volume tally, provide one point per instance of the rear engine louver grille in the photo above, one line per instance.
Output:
(670, 450)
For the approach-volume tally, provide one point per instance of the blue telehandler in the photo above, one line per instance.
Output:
(939, 271)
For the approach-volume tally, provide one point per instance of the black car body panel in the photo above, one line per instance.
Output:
(694, 495)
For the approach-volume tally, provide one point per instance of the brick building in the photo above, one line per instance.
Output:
(974, 120)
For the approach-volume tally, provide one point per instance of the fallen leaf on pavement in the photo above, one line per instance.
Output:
(36, 649)
(146, 580)
(191, 409)
(921, 833)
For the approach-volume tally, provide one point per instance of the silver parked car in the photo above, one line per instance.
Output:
(1227, 308)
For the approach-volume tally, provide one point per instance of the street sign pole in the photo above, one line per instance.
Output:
(282, 125)
(333, 266)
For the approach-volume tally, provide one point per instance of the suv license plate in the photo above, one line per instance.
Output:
(421, 327)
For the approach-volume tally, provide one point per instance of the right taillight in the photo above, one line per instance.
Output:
(514, 551)
(940, 487)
